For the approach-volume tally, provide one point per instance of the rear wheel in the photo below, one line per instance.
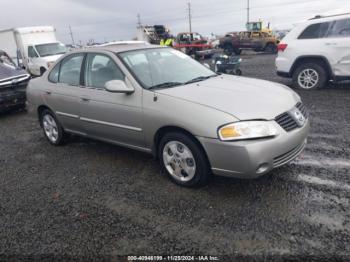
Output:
(310, 76)
(53, 130)
(183, 160)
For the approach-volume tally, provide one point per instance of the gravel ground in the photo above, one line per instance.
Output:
(93, 200)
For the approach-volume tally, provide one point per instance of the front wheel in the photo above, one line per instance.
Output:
(310, 76)
(183, 160)
(53, 130)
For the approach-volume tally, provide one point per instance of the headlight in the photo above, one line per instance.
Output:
(247, 130)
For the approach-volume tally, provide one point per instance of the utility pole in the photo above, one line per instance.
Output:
(139, 24)
(190, 16)
(248, 11)
(71, 34)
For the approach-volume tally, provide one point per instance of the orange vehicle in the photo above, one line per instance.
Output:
(193, 44)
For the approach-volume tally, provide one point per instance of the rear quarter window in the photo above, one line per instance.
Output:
(340, 28)
(315, 31)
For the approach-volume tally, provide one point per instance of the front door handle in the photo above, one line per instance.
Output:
(85, 99)
(48, 92)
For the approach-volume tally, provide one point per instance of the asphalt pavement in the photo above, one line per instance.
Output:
(94, 201)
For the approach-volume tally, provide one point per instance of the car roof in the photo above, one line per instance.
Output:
(320, 18)
(119, 47)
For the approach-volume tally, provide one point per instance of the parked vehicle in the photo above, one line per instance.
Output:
(152, 34)
(13, 83)
(159, 100)
(316, 51)
(227, 65)
(33, 48)
(234, 43)
(193, 44)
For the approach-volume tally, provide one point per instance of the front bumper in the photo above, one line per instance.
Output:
(12, 99)
(254, 158)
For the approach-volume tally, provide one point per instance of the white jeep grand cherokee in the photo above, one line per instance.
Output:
(316, 51)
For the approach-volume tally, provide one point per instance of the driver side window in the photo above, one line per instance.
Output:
(99, 69)
(31, 52)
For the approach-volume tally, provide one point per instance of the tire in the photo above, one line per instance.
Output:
(229, 50)
(52, 129)
(42, 71)
(183, 160)
(271, 49)
(316, 73)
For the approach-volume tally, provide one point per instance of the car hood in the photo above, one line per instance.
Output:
(243, 98)
(51, 58)
(7, 71)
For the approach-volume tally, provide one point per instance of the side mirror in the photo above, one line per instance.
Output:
(118, 86)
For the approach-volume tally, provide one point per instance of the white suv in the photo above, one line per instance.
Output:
(316, 51)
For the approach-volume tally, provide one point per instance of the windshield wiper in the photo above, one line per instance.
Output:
(165, 85)
(199, 79)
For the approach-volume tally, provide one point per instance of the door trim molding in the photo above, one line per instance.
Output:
(67, 115)
(111, 124)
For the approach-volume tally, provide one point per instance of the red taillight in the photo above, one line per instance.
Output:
(282, 47)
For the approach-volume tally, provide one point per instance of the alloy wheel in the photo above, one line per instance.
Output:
(308, 78)
(50, 128)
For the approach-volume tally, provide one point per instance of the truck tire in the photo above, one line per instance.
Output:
(271, 48)
(310, 76)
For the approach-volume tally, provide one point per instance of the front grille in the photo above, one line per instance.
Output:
(303, 110)
(289, 156)
(287, 122)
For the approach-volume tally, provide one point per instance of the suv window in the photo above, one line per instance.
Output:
(315, 31)
(31, 52)
(70, 70)
(99, 69)
(340, 28)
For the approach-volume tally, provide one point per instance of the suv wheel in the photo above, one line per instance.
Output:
(53, 130)
(183, 160)
(310, 76)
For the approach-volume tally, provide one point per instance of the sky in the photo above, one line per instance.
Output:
(114, 20)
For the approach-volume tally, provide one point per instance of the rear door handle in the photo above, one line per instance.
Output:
(48, 92)
(331, 43)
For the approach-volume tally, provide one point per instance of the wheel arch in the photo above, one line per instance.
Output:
(321, 60)
(169, 129)
(41, 109)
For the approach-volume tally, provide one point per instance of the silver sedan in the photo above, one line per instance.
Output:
(160, 101)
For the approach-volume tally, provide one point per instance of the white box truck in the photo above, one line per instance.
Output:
(33, 48)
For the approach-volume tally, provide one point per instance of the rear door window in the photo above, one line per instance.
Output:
(340, 28)
(71, 69)
(315, 31)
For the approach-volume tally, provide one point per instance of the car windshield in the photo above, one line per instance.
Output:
(6, 60)
(51, 49)
(164, 67)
